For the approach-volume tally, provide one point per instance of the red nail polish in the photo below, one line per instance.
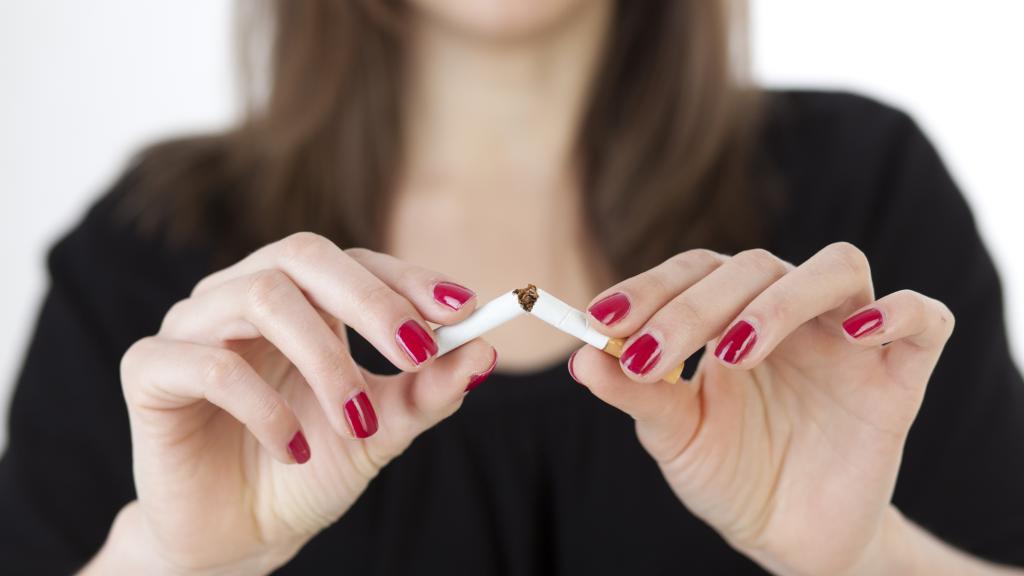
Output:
(362, 420)
(642, 355)
(416, 342)
(299, 448)
(571, 373)
(478, 379)
(737, 342)
(610, 309)
(452, 295)
(863, 323)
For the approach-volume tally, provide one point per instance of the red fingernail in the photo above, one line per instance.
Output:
(478, 379)
(610, 309)
(362, 420)
(641, 355)
(452, 295)
(863, 323)
(299, 448)
(737, 342)
(571, 373)
(415, 341)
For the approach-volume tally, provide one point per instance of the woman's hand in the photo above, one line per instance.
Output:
(789, 437)
(251, 375)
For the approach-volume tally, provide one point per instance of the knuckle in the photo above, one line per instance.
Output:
(685, 312)
(174, 315)
(132, 363)
(266, 408)
(411, 278)
(360, 253)
(762, 261)
(202, 285)
(655, 282)
(377, 296)
(777, 309)
(850, 257)
(948, 322)
(303, 246)
(914, 304)
(265, 290)
(221, 370)
(330, 364)
(944, 317)
(699, 258)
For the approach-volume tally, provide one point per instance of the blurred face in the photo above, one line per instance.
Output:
(501, 19)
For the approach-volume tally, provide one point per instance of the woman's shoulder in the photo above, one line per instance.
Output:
(849, 164)
(825, 114)
(119, 272)
(112, 237)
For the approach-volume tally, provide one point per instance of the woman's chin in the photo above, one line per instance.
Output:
(502, 20)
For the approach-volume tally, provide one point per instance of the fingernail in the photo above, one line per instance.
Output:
(299, 448)
(478, 379)
(415, 341)
(641, 355)
(452, 295)
(571, 373)
(362, 420)
(863, 323)
(737, 342)
(610, 309)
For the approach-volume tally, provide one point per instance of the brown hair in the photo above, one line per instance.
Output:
(666, 145)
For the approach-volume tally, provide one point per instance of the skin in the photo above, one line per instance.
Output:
(791, 454)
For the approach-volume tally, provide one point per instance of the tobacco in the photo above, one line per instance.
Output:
(527, 296)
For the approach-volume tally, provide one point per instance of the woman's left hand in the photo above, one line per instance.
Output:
(789, 437)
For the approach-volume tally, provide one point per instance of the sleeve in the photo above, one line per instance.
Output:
(962, 476)
(67, 468)
(68, 435)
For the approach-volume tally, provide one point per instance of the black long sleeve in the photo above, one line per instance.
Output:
(67, 469)
(868, 175)
(533, 475)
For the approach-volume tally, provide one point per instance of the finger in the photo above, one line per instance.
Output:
(334, 282)
(692, 318)
(270, 305)
(667, 415)
(915, 327)
(412, 402)
(164, 374)
(437, 297)
(828, 286)
(622, 309)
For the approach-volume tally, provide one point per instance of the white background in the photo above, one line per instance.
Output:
(84, 84)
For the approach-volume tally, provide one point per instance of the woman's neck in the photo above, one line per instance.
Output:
(483, 109)
(487, 192)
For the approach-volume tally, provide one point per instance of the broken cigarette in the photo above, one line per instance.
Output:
(482, 320)
(536, 302)
(571, 321)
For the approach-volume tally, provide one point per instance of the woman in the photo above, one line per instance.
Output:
(285, 409)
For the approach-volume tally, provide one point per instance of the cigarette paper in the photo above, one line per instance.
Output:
(572, 321)
(482, 320)
(531, 300)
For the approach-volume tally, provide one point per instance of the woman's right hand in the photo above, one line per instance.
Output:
(252, 374)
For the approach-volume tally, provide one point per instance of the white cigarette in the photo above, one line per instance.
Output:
(567, 319)
(574, 322)
(540, 304)
(482, 320)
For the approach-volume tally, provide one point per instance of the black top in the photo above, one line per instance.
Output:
(534, 475)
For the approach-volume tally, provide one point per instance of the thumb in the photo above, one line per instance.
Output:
(667, 415)
(411, 402)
